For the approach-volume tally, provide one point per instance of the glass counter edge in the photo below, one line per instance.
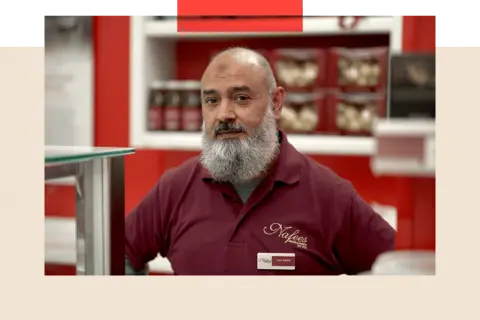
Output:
(84, 156)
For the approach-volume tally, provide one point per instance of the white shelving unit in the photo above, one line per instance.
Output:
(311, 26)
(334, 145)
(409, 151)
(153, 58)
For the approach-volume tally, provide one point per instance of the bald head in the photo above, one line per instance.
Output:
(248, 58)
(241, 105)
(239, 93)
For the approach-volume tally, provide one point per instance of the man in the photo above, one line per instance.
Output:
(251, 204)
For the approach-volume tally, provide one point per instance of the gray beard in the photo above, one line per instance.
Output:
(238, 161)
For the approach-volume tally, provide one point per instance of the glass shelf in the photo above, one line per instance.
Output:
(62, 154)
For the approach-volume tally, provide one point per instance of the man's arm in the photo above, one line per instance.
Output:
(143, 241)
(364, 235)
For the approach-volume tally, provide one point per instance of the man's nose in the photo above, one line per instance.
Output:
(225, 112)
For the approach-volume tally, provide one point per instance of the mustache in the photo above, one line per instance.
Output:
(228, 127)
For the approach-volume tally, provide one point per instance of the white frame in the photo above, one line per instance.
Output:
(395, 129)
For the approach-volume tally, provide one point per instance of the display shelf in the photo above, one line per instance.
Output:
(405, 127)
(310, 144)
(404, 147)
(311, 26)
(153, 44)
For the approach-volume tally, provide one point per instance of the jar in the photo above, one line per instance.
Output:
(156, 105)
(191, 106)
(172, 109)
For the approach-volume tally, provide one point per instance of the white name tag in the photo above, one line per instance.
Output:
(275, 261)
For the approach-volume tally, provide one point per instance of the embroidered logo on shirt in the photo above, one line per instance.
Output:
(286, 233)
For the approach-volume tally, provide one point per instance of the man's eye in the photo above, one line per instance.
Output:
(241, 98)
(210, 100)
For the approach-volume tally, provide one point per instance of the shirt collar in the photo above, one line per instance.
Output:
(286, 168)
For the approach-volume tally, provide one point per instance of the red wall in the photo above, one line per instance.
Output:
(414, 198)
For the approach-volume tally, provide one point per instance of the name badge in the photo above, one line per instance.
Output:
(275, 261)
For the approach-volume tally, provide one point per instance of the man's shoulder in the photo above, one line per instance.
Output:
(179, 174)
(326, 181)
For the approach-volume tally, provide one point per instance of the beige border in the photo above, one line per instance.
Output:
(22, 89)
(458, 169)
(21, 172)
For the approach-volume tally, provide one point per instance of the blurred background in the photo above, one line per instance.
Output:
(360, 99)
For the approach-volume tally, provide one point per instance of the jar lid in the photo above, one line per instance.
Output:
(190, 85)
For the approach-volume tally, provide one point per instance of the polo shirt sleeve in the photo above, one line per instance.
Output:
(363, 236)
(143, 241)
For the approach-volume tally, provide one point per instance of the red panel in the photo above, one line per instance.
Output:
(405, 211)
(59, 201)
(246, 8)
(59, 270)
(408, 30)
(240, 25)
(424, 214)
(418, 218)
(112, 63)
(418, 34)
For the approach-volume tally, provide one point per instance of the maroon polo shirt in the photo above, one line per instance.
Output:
(301, 207)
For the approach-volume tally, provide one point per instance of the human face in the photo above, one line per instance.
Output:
(236, 93)
(239, 129)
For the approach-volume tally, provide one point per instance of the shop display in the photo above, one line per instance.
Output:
(175, 105)
(414, 71)
(354, 114)
(303, 113)
(156, 104)
(299, 69)
(358, 69)
(412, 86)
(191, 106)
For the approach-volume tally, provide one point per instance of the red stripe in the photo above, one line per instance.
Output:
(112, 72)
(244, 8)
(418, 34)
(241, 25)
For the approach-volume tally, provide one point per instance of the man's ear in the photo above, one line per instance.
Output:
(278, 99)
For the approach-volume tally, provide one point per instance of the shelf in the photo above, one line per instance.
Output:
(405, 128)
(152, 46)
(404, 147)
(311, 26)
(309, 144)
(395, 167)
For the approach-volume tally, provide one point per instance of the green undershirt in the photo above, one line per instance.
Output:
(245, 190)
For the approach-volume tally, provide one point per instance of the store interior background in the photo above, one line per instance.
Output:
(412, 197)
